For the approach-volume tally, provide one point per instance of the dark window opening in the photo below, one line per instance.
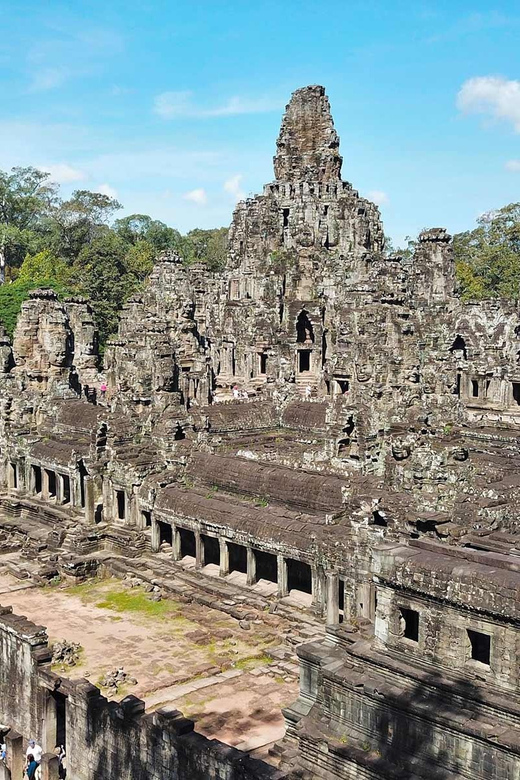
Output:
(286, 213)
(51, 477)
(263, 363)
(516, 392)
(266, 566)
(147, 518)
(211, 548)
(341, 600)
(165, 533)
(474, 388)
(14, 474)
(379, 519)
(480, 646)
(299, 576)
(456, 391)
(98, 514)
(459, 345)
(324, 348)
(304, 329)
(304, 360)
(60, 702)
(188, 545)
(326, 208)
(343, 386)
(411, 624)
(121, 504)
(237, 557)
(179, 433)
(37, 477)
(343, 446)
(82, 474)
(66, 489)
(233, 362)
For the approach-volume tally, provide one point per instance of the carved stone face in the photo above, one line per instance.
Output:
(364, 372)
(305, 236)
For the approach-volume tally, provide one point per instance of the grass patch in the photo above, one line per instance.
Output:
(252, 661)
(134, 600)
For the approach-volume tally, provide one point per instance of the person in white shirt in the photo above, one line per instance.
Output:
(35, 749)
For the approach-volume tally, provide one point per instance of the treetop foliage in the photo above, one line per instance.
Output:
(76, 246)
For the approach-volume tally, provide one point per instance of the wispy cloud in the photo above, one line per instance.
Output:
(106, 189)
(513, 165)
(378, 197)
(170, 105)
(232, 186)
(493, 96)
(197, 196)
(62, 173)
(48, 78)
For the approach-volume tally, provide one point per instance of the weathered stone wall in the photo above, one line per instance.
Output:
(105, 740)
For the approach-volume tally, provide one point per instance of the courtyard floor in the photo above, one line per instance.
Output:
(187, 656)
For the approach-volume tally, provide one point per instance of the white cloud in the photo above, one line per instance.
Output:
(513, 165)
(62, 173)
(169, 105)
(378, 197)
(106, 189)
(232, 186)
(493, 95)
(48, 78)
(197, 196)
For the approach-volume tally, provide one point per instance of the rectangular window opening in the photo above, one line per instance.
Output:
(14, 475)
(410, 619)
(474, 388)
(121, 504)
(51, 476)
(304, 360)
(480, 646)
(263, 363)
(516, 393)
(66, 489)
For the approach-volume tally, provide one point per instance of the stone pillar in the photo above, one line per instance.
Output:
(176, 543)
(15, 754)
(199, 551)
(332, 598)
(318, 589)
(90, 500)
(49, 767)
(156, 536)
(59, 488)
(224, 558)
(45, 485)
(31, 480)
(283, 585)
(49, 725)
(251, 566)
(10, 475)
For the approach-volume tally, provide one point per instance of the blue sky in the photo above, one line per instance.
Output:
(175, 106)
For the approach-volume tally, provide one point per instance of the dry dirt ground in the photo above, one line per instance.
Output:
(184, 655)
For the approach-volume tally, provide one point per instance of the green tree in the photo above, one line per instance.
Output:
(103, 274)
(76, 222)
(206, 246)
(41, 270)
(26, 197)
(488, 258)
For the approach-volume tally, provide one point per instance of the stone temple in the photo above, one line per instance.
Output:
(322, 417)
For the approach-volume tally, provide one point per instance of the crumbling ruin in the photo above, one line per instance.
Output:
(320, 416)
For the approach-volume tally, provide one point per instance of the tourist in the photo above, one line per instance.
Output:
(59, 750)
(308, 391)
(3, 751)
(103, 389)
(245, 394)
(31, 768)
(236, 392)
(34, 750)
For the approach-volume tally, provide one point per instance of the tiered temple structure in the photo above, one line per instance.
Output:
(325, 417)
